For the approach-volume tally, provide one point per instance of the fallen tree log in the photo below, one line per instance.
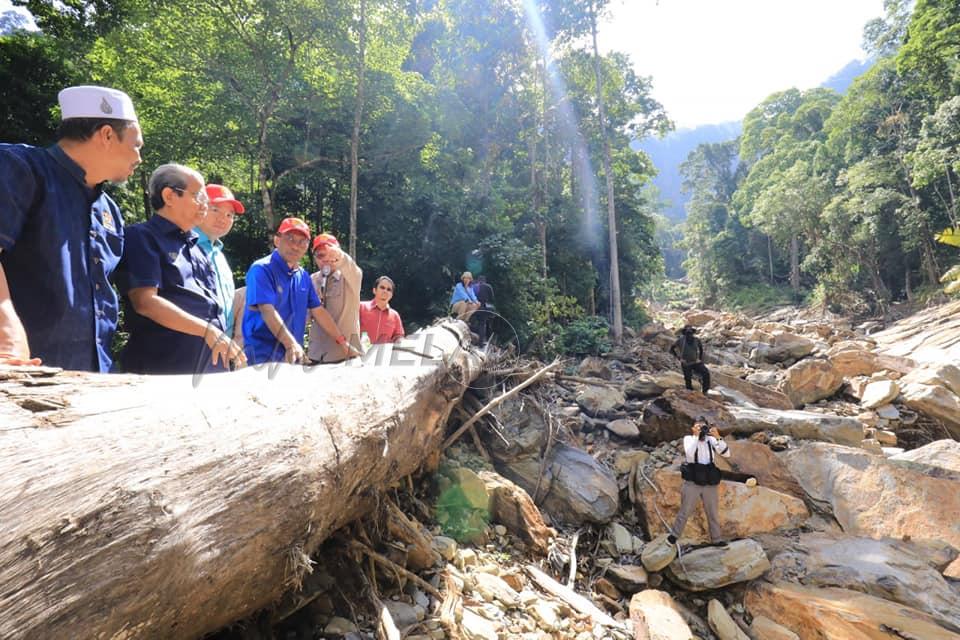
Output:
(169, 507)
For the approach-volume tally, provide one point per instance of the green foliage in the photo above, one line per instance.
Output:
(586, 336)
(757, 298)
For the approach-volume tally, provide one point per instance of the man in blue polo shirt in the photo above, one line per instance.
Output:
(279, 294)
(175, 320)
(61, 236)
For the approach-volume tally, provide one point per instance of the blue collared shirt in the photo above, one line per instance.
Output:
(290, 291)
(61, 241)
(462, 294)
(160, 254)
(221, 272)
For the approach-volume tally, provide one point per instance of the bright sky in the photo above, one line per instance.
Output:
(714, 60)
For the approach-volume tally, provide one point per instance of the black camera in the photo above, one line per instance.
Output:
(704, 431)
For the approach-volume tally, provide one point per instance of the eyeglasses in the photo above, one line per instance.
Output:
(200, 197)
(296, 239)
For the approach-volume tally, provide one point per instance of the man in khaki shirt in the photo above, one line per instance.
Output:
(337, 282)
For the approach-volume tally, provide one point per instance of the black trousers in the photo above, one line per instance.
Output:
(701, 371)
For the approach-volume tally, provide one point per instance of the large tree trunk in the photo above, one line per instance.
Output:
(165, 507)
(355, 135)
(615, 304)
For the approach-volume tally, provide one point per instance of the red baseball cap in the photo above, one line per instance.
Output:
(294, 224)
(325, 240)
(219, 193)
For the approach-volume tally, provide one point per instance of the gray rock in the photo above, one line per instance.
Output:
(403, 614)
(715, 567)
(799, 424)
(578, 489)
(658, 553)
(722, 624)
(942, 453)
(624, 428)
(599, 401)
(627, 578)
(889, 569)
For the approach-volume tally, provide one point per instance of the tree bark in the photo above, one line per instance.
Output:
(355, 136)
(615, 305)
(795, 263)
(150, 507)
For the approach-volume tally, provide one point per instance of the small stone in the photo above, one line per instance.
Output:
(886, 438)
(466, 558)
(622, 538)
(546, 613)
(339, 627)
(888, 412)
(476, 627)
(446, 547)
(751, 482)
(780, 442)
(872, 445)
(500, 530)
(624, 428)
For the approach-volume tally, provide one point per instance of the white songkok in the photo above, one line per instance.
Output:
(96, 102)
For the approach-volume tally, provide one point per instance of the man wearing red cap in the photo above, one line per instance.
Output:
(210, 232)
(337, 282)
(279, 294)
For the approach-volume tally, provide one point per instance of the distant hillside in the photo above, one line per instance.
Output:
(670, 152)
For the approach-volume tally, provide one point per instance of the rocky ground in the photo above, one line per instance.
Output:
(547, 518)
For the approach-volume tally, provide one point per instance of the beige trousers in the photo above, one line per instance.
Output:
(690, 494)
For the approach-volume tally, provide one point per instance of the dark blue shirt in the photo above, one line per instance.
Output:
(290, 291)
(160, 254)
(61, 241)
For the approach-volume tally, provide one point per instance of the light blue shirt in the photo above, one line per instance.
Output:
(223, 275)
(462, 293)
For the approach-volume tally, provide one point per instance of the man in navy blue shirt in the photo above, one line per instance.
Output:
(61, 236)
(279, 294)
(175, 317)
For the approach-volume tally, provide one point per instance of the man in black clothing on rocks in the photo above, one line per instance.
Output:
(483, 316)
(690, 351)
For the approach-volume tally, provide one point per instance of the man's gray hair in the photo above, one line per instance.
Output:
(169, 175)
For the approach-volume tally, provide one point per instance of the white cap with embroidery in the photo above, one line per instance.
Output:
(95, 102)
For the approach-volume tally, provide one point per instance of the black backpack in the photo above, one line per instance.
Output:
(702, 474)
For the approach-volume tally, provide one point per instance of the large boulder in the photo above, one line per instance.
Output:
(760, 395)
(671, 415)
(938, 375)
(744, 510)
(599, 401)
(513, 507)
(574, 489)
(700, 317)
(942, 453)
(877, 497)
(656, 616)
(889, 569)
(594, 367)
(714, 567)
(781, 346)
(814, 613)
(811, 380)
(935, 401)
(757, 460)
(805, 425)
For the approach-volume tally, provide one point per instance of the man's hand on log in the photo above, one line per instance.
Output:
(225, 350)
(295, 353)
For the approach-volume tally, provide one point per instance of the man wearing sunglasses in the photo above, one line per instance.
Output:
(175, 320)
(381, 323)
(279, 295)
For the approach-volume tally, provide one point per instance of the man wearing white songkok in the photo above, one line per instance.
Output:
(61, 236)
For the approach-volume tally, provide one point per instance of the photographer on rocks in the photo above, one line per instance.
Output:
(700, 477)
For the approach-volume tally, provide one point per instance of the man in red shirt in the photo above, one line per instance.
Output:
(381, 323)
